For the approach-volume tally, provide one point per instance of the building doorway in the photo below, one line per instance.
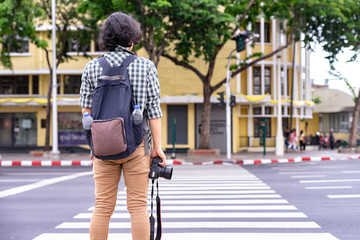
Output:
(18, 130)
(217, 127)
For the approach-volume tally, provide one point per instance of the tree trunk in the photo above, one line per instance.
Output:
(354, 124)
(48, 117)
(205, 118)
(48, 105)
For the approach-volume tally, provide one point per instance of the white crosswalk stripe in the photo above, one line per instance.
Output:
(216, 215)
(204, 225)
(213, 196)
(209, 208)
(208, 202)
(197, 236)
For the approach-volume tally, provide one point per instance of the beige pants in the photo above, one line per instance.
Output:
(107, 175)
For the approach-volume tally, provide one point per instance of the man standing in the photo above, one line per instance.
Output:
(332, 139)
(117, 37)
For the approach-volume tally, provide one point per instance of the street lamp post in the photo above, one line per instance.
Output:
(279, 134)
(228, 110)
(241, 40)
(55, 149)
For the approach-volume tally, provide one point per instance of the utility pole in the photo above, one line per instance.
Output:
(228, 110)
(279, 134)
(241, 40)
(55, 150)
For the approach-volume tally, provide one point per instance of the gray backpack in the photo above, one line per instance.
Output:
(113, 134)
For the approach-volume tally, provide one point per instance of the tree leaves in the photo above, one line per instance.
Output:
(204, 28)
(17, 21)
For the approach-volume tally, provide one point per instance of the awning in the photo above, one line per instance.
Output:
(296, 103)
(247, 99)
(17, 101)
(189, 98)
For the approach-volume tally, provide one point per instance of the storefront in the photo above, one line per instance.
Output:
(18, 130)
(23, 123)
(70, 131)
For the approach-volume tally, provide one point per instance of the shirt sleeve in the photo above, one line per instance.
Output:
(87, 88)
(153, 94)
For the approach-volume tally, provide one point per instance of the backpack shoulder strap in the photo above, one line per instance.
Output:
(128, 60)
(103, 63)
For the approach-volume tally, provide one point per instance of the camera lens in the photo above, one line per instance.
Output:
(166, 172)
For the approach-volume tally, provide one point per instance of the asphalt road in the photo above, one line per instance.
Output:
(36, 208)
(328, 192)
(308, 200)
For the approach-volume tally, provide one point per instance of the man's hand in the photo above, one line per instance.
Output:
(158, 152)
(83, 110)
(155, 127)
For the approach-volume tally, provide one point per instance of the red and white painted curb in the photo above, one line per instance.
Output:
(258, 161)
(64, 163)
(67, 163)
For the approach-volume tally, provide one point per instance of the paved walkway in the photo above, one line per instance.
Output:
(269, 155)
(28, 157)
(243, 158)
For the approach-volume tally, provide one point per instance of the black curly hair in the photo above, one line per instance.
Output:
(119, 29)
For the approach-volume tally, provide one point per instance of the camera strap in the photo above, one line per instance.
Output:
(158, 213)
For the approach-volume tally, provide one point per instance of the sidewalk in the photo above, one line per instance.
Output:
(26, 160)
(246, 158)
(243, 158)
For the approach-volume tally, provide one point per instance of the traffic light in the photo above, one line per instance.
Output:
(240, 42)
(240, 39)
(221, 100)
(232, 101)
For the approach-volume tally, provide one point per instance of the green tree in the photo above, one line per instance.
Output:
(340, 29)
(69, 31)
(17, 23)
(316, 19)
(205, 31)
(183, 30)
(152, 16)
(207, 28)
(19, 19)
(356, 110)
(182, 24)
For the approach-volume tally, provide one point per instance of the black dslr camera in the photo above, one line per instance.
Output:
(157, 171)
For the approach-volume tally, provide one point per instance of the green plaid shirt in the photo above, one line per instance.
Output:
(143, 76)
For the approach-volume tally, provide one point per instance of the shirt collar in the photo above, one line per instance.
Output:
(123, 49)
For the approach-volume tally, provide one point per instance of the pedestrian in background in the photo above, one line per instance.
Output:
(302, 141)
(118, 35)
(292, 141)
(286, 137)
(296, 138)
(317, 138)
(332, 139)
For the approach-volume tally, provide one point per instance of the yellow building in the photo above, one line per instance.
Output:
(23, 93)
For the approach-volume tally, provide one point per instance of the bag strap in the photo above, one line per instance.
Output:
(128, 60)
(158, 213)
(151, 218)
(103, 63)
(146, 135)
